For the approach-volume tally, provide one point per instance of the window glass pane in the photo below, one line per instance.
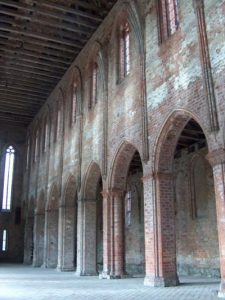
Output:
(8, 178)
(4, 240)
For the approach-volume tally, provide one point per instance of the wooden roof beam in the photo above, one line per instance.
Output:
(70, 10)
(29, 71)
(26, 49)
(19, 89)
(20, 57)
(42, 36)
(48, 13)
(40, 20)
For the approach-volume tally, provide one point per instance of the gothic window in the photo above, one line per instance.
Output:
(4, 240)
(168, 18)
(36, 146)
(28, 154)
(46, 133)
(94, 84)
(73, 104)
(8, 178)
(124, 51)
(58, 122)
(128, 208)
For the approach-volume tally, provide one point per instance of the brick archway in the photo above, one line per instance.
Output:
(89, 213)
(126, 236)
(163, 176)
(121, 166)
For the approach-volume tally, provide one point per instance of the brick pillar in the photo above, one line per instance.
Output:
(117, 247)
(86, 252)
(217, 161)
(80, 226)
(28, 241)
(39, 223)
(66, 245)
(160, 242)
(106, 235)
(51, 239)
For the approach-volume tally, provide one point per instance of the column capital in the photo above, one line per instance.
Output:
(216, 157)
(116, 192)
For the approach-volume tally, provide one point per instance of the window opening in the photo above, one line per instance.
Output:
(124, 50)
(4, 240)
(74, 102)
(8, 178)
(128, 208)
(94, 84)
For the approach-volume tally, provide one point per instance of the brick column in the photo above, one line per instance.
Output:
(117, 247)
(28, 241)
(160, 242)
(106, 235)
(86, 252)
(217, 161)
(51, 239)
(66, 245)
(39, 223)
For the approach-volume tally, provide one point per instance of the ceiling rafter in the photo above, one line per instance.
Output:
(39, 39)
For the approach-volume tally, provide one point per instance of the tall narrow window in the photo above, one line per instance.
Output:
(28, 154)
(124, 61)
(46, 136)
(4, 240)
(73, 104)
(94, 84)
(128, 208)
(8, 178)
(58, 122)
(168, 18)
(36, 146)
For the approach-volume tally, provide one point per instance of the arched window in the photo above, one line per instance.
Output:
(28, 154)
(36, 146)
(124, 51)
(8, 178)
(168, 18)
(128, 208)
(73, 103)
(46, 132)
(4, 240)
(58, 122)
(94, 85)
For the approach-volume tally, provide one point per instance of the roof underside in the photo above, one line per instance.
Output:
(39, 39)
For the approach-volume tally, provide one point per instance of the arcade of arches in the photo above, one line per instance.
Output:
(131, 185)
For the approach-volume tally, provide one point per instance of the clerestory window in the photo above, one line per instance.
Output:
(128, 208)
(168, 18)
(73, 104)
(4, 240)
(124, 51)
(8, 178)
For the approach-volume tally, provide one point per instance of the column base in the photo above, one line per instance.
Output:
(221, 292)
(160, 281)
(91, 273)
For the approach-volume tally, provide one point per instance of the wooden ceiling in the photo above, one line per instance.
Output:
(39, 39)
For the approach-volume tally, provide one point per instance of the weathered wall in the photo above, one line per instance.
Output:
(196, 230)
(13, 220)
(139, 110)
(134, 232)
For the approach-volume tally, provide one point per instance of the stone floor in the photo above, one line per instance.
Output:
(25, 282)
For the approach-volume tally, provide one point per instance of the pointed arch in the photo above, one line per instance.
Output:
(69, 192)
(167, 140)
(92, 177)
(120, 165)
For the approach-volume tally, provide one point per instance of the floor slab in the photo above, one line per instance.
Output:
(19, 282)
